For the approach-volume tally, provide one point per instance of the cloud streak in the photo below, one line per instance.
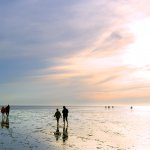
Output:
(71, 52)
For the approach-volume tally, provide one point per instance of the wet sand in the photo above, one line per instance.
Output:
(90, 128)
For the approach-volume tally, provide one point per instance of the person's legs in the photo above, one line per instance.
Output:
(64, 119)
(7, 113)
(2, 115)
(67, 119)
(57, 121)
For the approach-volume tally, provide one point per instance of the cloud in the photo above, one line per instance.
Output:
(119, 94)
(39, 29)
(69, 50)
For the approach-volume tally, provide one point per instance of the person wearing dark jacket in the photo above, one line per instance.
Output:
(7, 110)
(65, 114)
(57, 115)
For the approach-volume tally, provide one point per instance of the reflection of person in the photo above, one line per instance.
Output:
(57, 115)
(5, 123)
(65, 114)
(2, 123)
(57, 133)
(65, 133)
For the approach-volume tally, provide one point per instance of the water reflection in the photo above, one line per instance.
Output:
(57, 133)
(5, 122)
(65, 133)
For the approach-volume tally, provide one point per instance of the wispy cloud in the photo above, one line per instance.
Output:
(79, 49)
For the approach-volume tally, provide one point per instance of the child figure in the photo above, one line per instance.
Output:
(57, 115)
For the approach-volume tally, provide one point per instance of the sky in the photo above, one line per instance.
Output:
(66, 52)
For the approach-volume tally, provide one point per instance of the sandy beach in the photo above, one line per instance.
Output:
(90, 128)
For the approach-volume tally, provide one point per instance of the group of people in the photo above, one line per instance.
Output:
(65, 115)
(65, 119)
(5, 120)
(5, 110)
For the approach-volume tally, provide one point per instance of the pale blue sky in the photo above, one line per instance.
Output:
(58, 52)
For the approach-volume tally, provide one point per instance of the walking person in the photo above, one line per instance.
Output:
(57, 115)
(65, 114)
(7, 110)
(3, 112)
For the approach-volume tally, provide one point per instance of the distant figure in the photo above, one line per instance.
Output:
(65, 114)
(65, 133)
(57, 115)
(3, 111)
(57, 133)
(131, 107)
(7, 109)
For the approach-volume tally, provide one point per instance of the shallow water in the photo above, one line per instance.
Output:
(90, 128)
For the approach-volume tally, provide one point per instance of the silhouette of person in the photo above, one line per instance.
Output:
(7, 110)
(65, 114)
(57, 133)
(3, 111)
(57, 115)
(65, 133)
